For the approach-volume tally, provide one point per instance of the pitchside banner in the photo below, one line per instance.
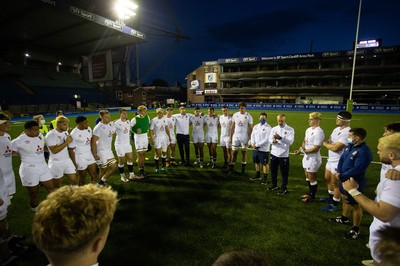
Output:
(100, 67)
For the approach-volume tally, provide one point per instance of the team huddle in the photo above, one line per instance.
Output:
(83, 150)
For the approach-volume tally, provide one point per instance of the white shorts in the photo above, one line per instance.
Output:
(122, 149)
(312, 163)
(332, 167)
(141, 142)
(32, 174)
(212, 138)
(9, 179)
(224, 142)
(104, 157)
(84, 160)
(59, 168)
(161, 142)
(173, 138)
(240, 141)
(197, 138)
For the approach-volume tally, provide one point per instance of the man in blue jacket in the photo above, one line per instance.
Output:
(353, 163)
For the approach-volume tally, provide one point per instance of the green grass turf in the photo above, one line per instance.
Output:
(189, 216)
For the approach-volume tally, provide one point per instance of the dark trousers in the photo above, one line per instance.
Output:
(183, 145)
(283, 164)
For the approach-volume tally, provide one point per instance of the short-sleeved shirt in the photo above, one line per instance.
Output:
(338, 135)
(105, 134)
(122, 130)
(314, 137)
(242, 122)
(81, 140)
(198, 124)
(212, 123)
(30, 149)
(56, 138)
(225, 122)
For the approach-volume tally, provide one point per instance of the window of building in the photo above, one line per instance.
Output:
(129, 94)
(119, 95)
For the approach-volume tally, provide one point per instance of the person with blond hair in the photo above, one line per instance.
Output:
(71, 226)
(386, 206)
(60, 163)
(140, 128)
(312, 159)
(101, 144)
(160, 137)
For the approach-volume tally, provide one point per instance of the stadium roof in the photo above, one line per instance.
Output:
(59, 29)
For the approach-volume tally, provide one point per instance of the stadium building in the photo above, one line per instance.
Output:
(319, 78)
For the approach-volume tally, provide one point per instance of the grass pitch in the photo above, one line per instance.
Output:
(189, 216)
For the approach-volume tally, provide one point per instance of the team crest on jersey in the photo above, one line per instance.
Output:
(7, 152)
(39, 150)
(125, 130)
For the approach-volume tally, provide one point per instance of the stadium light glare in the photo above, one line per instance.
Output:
(125, 9)
(27, 55)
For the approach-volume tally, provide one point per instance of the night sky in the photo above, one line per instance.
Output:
(225, 29)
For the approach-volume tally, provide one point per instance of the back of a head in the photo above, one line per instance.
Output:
(70, 217)
(241, 257)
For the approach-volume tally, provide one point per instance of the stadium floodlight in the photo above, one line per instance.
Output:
(27, 55)
(125, 9)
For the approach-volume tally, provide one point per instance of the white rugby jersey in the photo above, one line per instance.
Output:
(30, 149)
(105, 133)
(212, 123)
(158, 126)
(122, 130)
(242, 122)
(198, 124)
(6, 156)
(338, 135)
(55, 138)
(314, 137)
(81, 140)
(225, 121)
(171, 124)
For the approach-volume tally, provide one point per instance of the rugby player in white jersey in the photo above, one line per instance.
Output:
(123, 146)
(312, 160)
(6, 155)
(240, 131)
(80, 150)
(33, 168)
(140, 127)
(172, 144)
(212, 122)
(160, 137)
(101, 147)
(60, 163)
(335, 145)
(225, 121)
(197, 121)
